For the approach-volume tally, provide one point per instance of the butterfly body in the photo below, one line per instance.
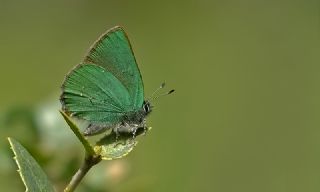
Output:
(106, 88)
(129, 122)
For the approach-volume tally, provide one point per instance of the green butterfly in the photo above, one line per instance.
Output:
(106, 88)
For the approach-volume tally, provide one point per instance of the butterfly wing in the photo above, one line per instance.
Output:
(113, 52)
(106, 85)
(92, 93)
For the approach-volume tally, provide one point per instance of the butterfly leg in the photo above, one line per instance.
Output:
(134, 129)
(126, 128)
(145, 127)
(117, 132)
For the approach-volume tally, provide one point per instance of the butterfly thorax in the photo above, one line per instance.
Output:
(133, 120)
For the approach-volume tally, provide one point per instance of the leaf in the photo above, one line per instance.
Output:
(89, 149)
(110, 147)
(30, 172)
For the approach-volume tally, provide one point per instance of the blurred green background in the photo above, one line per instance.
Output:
(245, 115)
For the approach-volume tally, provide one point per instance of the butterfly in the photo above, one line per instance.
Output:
(106, 88)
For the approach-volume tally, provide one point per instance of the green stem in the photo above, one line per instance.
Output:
(88, 163)
(89, 149)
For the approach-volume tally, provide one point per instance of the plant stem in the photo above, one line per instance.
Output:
(89, 161)
(89, 149)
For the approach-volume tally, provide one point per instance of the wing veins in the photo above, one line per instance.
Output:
(97, 101)
(107, 93)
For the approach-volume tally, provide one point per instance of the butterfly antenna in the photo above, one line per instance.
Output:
(163, 94)
(153, 94)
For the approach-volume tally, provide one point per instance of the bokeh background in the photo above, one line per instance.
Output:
(245, 115)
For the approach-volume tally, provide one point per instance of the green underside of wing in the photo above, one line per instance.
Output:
(113, 52)
(92, 93)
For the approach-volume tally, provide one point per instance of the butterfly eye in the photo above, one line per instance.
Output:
(146, 107)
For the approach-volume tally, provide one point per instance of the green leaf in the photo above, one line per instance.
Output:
(30, 172)
(113, 147)
(89, 149)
